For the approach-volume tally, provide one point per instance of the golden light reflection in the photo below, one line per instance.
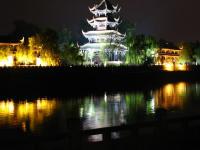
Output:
(7, 107)
(181, 88)
(170, 96)
(26, 114)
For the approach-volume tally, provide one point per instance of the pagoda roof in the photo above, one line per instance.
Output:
(109, 18)
(109, 21)
(9, 44)
(9, 41)
(105, 4)
(103, 32)
(99, 46)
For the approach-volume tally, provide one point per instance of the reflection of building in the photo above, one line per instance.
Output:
(105, 42)
(170, 96)
(108, 110)
(26, 114)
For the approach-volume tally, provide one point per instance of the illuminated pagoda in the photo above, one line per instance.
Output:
(105, 42)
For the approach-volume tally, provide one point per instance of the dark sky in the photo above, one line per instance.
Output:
(173, 20)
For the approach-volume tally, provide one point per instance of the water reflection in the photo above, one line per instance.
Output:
(109, 109)
(117, 109)
(104, 111)
(170, 96)
(26, 115)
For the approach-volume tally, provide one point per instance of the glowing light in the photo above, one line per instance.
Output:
(7, 107)
(38, 61)
(181, 67)
(102, 39)
(3, 63)
(168, 67)
(27, 115)
(27, 57)
(25, 109)
(105, 97)
(181, 88)
(105, 64)
(7, 62)
(10, 61)
(81, 112)
(170, 96)
(151, 106)
(168, 89)
(174, 67)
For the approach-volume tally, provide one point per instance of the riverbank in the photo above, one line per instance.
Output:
(77, 80)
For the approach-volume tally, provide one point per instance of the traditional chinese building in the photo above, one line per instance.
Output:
(9, 55)
(169, 56)
(105, 42)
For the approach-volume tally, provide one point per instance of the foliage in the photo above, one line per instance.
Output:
(70, 55)
(44, 45)
(186, 53)
(24, 56)
(197, 55)
(151, 47)
(103, 55)
(64, 38)
(196, 51)
(141, 49)
(131, 55)
(69, 52)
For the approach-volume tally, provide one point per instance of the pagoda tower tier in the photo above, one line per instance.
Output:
(105, 41)
(103, 36)
(104, 8)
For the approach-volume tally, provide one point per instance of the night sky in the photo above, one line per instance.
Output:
(173, 20)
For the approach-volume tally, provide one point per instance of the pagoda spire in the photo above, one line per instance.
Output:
(104, 16)
(104, 8)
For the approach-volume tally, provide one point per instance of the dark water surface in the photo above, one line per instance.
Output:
(53, 115)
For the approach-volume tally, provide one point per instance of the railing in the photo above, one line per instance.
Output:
(75, 138)
(134, 129)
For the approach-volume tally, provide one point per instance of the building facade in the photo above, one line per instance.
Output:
(169, 57)
(11, 56)
(105, 43)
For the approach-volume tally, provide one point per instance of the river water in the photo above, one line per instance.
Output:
(46, 115)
